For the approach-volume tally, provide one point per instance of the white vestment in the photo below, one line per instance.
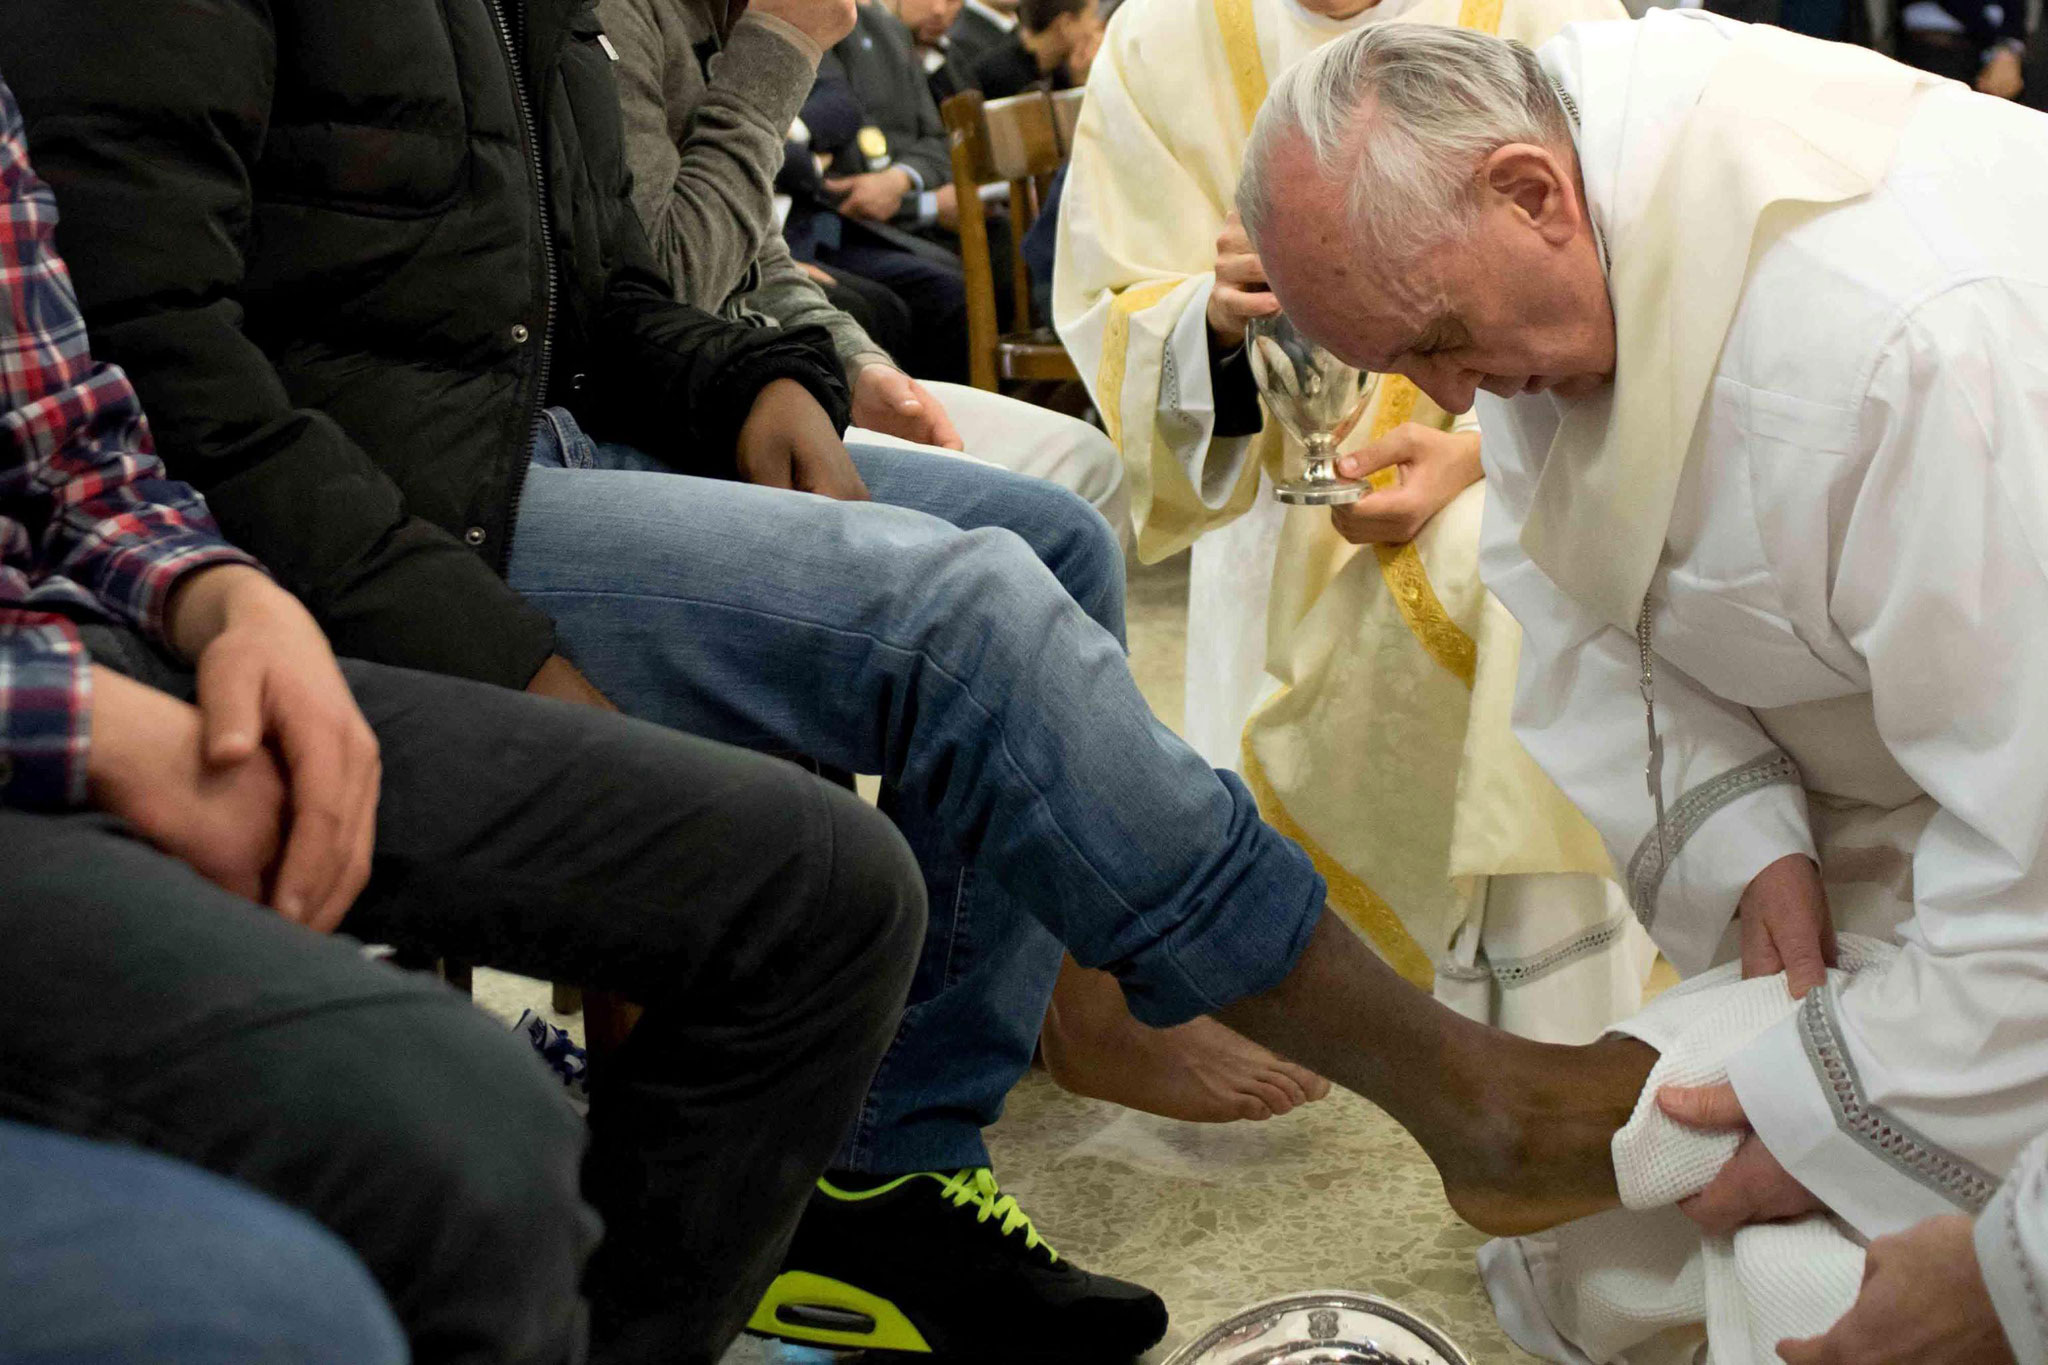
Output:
(1382, 744)
(1849, 594)
(2012, 1251)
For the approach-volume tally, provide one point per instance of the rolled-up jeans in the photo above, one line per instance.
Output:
(961, 637)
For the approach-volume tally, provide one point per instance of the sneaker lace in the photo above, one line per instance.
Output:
(978, 1188)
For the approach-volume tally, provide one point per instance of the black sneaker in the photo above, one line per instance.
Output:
(948, 1265)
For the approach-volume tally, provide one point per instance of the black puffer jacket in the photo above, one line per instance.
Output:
(309, 230)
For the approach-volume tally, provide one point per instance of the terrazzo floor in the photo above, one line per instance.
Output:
(1213, 1217)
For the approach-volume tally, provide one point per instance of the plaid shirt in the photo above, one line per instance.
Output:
(90, 529)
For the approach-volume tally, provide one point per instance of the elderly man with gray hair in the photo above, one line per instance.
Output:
(1757, 330)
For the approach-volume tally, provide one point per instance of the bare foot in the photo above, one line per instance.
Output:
(1201, 1071)
(1536, 1148)
(1521, 1132)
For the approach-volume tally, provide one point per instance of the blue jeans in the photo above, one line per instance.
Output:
(960, 636)
(110, 1253)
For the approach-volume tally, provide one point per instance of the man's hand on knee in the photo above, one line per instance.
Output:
(269, 688)
(788, 442)
(889, 401)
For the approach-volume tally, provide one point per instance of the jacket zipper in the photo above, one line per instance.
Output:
(547, 244)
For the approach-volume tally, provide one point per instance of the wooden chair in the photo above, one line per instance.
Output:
(1015, 141)
(1066, 115)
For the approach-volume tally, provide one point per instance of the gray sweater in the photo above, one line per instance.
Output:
(704, 154)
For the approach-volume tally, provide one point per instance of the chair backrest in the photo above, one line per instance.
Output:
(1066, 114)
(1014, 141)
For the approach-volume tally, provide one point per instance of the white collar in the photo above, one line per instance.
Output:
(1006, 22)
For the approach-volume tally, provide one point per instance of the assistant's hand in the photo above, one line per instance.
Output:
(1240, 293)
(1435, 467)
(824, 22)
(1923, 1302)
(887, 400)
(788, 442)
(1752, 1187)
(1786, 925)
(148, 764)
(267, 679)
(875, 196)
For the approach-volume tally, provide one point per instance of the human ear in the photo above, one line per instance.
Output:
(1534, 185)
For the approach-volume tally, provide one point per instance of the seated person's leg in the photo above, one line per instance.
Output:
(1027, 439)
(880, 311)
(880, 640)
(384, 1105)
(766, 920)
(114, 1254)
(933, 290)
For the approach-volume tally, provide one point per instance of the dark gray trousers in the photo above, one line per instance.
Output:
(768, 921)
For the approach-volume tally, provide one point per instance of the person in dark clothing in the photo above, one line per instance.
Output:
(1054, 42)
(931, 23)
(180, 749)
(982, 24)
(924, 275)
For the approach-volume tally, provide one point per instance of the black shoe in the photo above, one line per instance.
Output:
(948, 1265)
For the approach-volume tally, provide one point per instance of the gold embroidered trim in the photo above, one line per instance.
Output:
(1443, 639)
(1116, 339)
(1241, 49)
(1352, 898)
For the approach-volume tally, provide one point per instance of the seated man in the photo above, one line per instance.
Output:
(928, 278)
(1765, 406)
(981, 25)
(112, 1254)
(704, 144)
(357, 332)
(703, 155)
(1381, 737)
(177, 744)
(1051, 49)
(930, 23)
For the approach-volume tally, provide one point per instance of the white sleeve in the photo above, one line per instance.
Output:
(2012, 1253)
(1898, 1094)
(1733, 801)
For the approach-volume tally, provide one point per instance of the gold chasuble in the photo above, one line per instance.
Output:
(1385, 750)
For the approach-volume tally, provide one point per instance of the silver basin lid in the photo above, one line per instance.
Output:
(1326, 1327)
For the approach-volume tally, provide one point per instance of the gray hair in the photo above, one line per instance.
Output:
(1401, 114)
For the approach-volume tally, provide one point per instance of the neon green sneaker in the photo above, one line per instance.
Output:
(947, 1265)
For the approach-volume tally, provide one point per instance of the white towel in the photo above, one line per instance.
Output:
(1642, 1284)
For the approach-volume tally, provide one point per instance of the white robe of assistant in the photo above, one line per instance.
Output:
(1382, 744)
(1850, 621)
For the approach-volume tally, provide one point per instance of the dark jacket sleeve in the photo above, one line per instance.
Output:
(145, 119)
(678, 382)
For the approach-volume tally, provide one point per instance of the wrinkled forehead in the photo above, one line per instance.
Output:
(1329, 279)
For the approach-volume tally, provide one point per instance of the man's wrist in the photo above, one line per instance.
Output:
(201, 604)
